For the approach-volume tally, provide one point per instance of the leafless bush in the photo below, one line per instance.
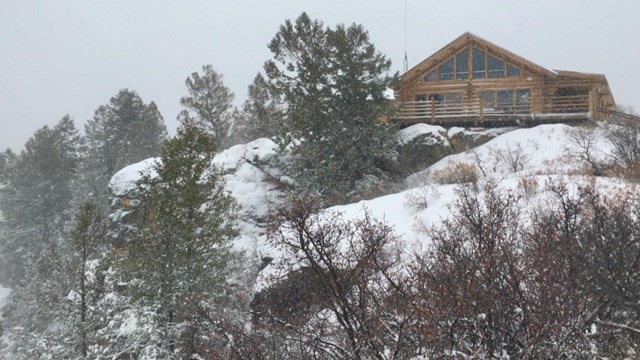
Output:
(459, 173)
(515, 157)
(583, 146)
(360, 307)
(420, 197)
(624, 136)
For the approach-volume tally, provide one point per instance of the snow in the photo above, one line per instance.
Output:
(408, 134)
(129, 324)
(5, 292)
(125, 180)
(259, 150)
(544, 149)
(544, 159)
(389, 94)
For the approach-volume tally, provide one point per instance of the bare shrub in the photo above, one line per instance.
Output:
(583, 147)
(624, 136)
(515, 157)
(420, 197)
(459, 173)
(528, 185)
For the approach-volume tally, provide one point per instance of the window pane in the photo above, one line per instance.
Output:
(505, 99)
(512, 71)
(421, 98)
(446, 71)
(462, 65)
(436, 97)
(478, 64)
(495, 67)
(432, 76)
(453, 98)
(488, 99)
(523, 100)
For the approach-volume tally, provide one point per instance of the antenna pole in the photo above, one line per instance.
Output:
(405, 66)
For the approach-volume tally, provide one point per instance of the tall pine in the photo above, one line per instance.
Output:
(332, 82)
(178, 260)
(209, 105)
(122, 132)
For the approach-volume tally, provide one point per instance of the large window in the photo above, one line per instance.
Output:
(445, 72)
(455, 68)
(478, 64)
(487, 66)
(495, 68)
(462, 65)
(483, 66)
(506, 101)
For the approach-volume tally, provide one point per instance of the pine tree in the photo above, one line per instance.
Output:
(178, 260)
(122, 132)
(261, 114)
(332, 82)
(35, 199)
(209, 105)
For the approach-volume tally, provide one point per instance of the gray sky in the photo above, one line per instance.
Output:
(59, 57)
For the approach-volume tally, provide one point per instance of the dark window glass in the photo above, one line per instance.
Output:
(432, 76)
(453, 98)
(478, 64)
(462, 65)
(488, 99)
(505, 99)
(512, 71)
(436, 97)
(421, 98)
(523, 100)
(495, 67)
(445, 72)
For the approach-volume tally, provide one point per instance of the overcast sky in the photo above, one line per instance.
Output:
(59, 57)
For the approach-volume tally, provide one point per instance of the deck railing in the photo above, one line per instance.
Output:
(435, 111)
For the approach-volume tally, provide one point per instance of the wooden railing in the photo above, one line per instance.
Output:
(435, 111)
(567, 104)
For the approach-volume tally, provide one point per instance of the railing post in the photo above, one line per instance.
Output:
(433, 111)
(481, 110)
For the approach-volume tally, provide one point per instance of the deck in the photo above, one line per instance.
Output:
(554, 109)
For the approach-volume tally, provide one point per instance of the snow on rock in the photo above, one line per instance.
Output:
(125, 180)
(257, 151)
(435, 134)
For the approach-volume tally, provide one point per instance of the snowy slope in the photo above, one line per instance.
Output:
(542, 156)
(543, 153)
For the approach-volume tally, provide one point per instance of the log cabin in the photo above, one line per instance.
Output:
(472, 81)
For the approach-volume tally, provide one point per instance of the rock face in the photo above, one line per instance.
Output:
(422, 145)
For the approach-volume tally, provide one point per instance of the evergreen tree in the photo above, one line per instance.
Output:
(178, 260)
(122, 132)
(332, 82)
(35, 199)
(7, 163)
(261, 114)
(209, 105)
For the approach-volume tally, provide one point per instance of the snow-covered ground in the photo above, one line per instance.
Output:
(538, 155)
(535, 156)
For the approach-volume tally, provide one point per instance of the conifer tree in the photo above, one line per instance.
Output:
(35, 199)
(332, 82)
(177, 261)
(209, 105)
(261, 114)
(122, 132)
